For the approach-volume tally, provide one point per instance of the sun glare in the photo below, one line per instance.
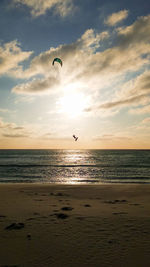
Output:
(73, 104)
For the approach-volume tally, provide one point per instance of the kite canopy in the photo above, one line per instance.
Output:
(57, 60)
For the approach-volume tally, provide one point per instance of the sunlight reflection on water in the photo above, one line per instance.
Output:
(75, 166)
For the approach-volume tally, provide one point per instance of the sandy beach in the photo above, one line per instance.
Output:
(74, 225)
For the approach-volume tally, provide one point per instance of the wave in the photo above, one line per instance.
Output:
(75, 165)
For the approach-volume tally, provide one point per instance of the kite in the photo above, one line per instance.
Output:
(56, 59)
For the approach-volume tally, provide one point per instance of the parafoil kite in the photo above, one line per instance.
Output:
(56, 59)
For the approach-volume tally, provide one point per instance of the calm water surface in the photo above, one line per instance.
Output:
(75, 166)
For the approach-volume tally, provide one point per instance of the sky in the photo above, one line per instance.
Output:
(102, 91)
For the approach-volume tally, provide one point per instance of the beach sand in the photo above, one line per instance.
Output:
(74, 225)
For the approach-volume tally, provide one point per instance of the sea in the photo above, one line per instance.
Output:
(74, 166)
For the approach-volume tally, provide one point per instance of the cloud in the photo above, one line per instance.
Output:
(134, 92)
(14, 135)
(37, 86)
(146, 121)
(91, 39)
(140, 110)
(136, 33)
(5, 125)
(98, 111)
(39, 7)
(3, 110)
(124, 102)
(11, 56)
(141, 84)
(11, 130)
(117, 17)
(111, 137)
(54, 137)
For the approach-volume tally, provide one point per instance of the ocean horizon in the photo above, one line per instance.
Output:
(63, 166)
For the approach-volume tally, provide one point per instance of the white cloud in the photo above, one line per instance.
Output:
(90, 39)
(39, 7)
(117, 17)
(11, 56)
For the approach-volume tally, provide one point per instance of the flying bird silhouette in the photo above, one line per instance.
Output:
(75, 137)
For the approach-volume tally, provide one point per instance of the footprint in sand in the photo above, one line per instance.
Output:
(61, 215)
(67, 208)
(15, 226)
(115, 201)
(119, 213)
(87, 205)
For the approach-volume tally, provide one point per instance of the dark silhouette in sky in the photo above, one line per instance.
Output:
(75, 137)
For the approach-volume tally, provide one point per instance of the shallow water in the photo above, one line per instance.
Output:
(75, 166)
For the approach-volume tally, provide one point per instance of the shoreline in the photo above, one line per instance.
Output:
(76, 183)
(74, 225)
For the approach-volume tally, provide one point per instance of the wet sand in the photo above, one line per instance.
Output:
(72, 225)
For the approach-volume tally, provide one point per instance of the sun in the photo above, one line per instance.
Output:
(73, 104)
